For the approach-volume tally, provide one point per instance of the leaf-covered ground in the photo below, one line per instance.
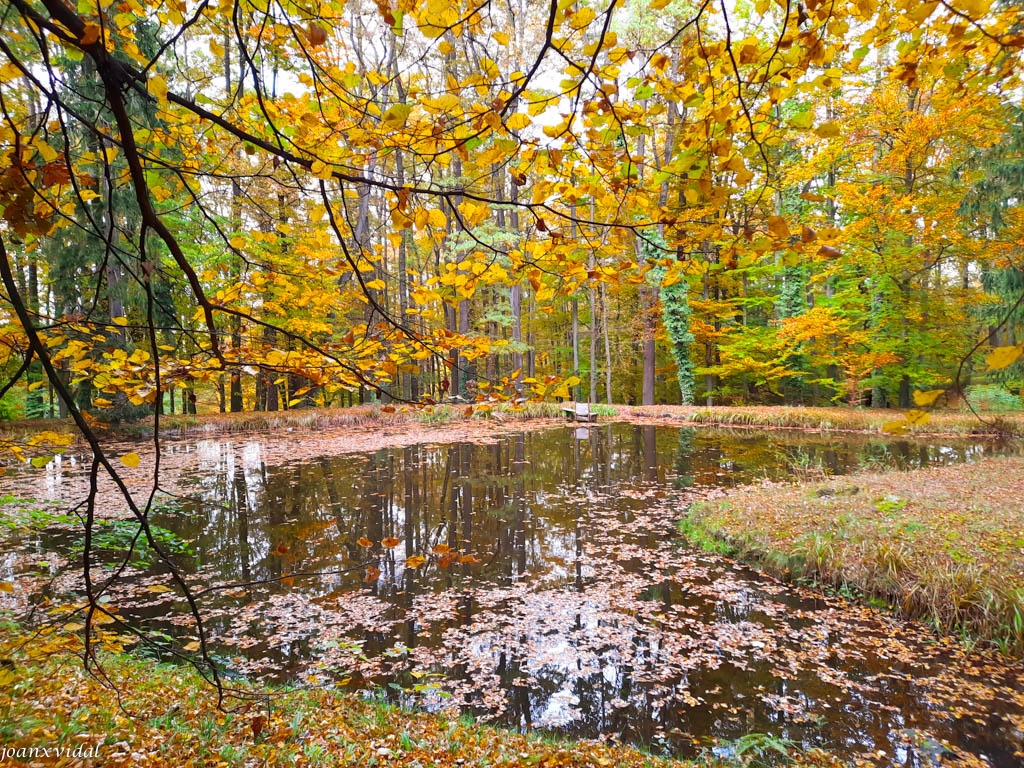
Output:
(139, 713)
(945, 543)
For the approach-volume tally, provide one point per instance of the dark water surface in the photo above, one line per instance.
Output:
(556, 594)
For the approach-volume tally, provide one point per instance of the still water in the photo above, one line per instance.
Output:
(548, 588)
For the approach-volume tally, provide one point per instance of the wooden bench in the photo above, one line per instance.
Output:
(579, 412)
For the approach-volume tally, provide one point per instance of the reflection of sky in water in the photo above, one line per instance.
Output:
(585, 613)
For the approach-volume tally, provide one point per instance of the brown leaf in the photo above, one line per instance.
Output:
(316, 35)
(258, 723)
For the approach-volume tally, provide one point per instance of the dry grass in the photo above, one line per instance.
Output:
(827, 419)
(943, 544)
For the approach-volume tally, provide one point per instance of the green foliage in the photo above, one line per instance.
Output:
(8, 410)
(114, 539)
(675, 313)
(993, 397)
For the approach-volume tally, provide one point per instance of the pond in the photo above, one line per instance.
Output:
(537, 580)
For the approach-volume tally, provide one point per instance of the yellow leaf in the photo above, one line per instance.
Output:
(1002, 357)
(415, 561)
(158, 87)
(778, 227)
(238, 242)
(895, 427)
(158, 588)
(193, 646)
(122, 321)
(394, 119)
(924, 399)
(6, 586)
(500, 37)
(437, 219)
(827, 130)
(518, 121)
(917, 418)
(657, 5)
(131, 460)
(582, 18)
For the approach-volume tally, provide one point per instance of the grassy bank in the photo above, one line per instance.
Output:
(150, 714)
(943, 544)
(831, 419)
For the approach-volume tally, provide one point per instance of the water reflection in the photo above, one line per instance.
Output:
(554, 594)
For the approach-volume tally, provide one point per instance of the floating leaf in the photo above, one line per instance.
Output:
(6, 586)
(390, 542)
(372, 574)
(364, 542)
(415, 561)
